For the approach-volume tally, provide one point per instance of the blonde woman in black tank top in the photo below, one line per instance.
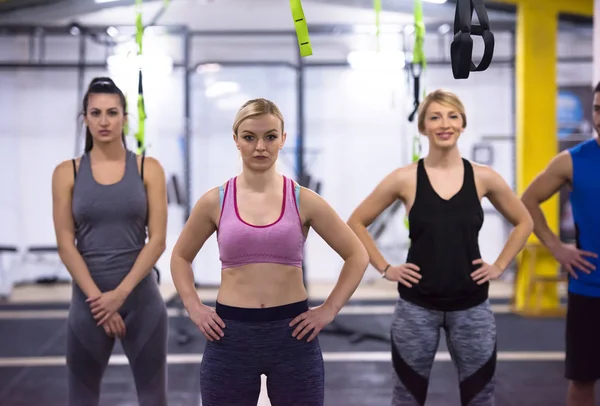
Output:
(444, 282)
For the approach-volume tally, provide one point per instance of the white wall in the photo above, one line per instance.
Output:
(356, 130)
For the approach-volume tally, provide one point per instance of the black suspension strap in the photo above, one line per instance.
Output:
(419, 62)
(415, 70)
(461, 48)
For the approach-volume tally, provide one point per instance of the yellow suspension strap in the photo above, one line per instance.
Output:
(377, 4)
(141, 109)
(417, 67)
(139, 36)
(301, 28)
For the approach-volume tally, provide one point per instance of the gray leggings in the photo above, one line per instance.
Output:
(259, 342)
(471, 340)
(145, 344)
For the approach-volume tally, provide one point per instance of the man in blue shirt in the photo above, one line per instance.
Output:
(579, 169)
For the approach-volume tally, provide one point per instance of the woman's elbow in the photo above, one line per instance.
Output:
(362, 256)
(177, 260)
(162, 246)
(64, 248)
(354, 222)
(528, 224)
(525, 223)
(159, 244)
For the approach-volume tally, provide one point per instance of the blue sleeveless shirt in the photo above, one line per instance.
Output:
(585, 203)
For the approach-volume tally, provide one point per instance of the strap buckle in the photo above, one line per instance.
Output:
(461, 48)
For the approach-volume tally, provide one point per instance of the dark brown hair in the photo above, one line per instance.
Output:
(101, 85)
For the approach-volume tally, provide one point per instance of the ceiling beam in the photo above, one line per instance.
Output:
(7, 6)
(61, 10)
(314, 29)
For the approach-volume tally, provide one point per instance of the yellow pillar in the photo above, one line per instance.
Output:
(536, 137)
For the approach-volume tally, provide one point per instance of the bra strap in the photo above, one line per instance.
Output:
(221, 195)
(297, 192)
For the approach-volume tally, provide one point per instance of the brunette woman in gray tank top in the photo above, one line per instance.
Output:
(102, 204)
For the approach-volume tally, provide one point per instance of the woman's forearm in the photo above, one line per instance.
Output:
(183, 279)
(350, 277)
(73, 261)
(540, 228)
(514, 244)
(375, 257)
(146, 260)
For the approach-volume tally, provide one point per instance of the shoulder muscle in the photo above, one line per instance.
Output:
(548, 182)
(206, 208)
(63, 175)
(62, 188)
(153, 170)
(392, 187)
(490, 180)
(199, 227)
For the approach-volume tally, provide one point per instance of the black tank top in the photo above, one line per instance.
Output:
(444, 243)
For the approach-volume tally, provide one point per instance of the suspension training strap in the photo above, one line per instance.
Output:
(461, 48)
(377, 5)
(141, 110)
(301, 28)
(419, 63)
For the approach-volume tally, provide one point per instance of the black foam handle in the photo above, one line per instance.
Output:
(461, 49)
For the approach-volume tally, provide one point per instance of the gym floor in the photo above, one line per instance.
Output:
(358, 368)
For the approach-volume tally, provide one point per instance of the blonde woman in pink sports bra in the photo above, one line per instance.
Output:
(262, 323)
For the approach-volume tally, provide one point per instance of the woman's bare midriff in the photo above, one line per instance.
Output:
(261, 286)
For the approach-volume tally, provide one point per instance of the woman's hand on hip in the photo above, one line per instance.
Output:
(208, 321)
(313, 319)
(406, 274)
(486, 272)
(106, 304)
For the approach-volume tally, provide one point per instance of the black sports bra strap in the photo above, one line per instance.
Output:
(142, 168)
(469, 174)
(421, 168)
(74, 168)
(469, 177)
(422, 179)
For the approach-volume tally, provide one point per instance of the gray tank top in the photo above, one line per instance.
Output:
(110, 220)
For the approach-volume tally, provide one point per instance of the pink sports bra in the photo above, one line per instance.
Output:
(241, 243)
